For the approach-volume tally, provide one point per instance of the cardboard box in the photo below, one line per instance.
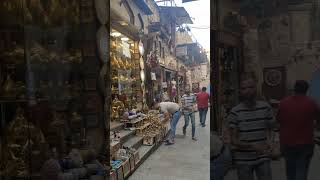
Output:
(136, 157)
(114, 147)
(126, 168)
(120, 174)
(149, 140)
(132, 165)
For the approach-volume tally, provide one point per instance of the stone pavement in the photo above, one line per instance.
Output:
(185, 160)
(278, 169)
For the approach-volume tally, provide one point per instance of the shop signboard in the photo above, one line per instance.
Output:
(181, 51)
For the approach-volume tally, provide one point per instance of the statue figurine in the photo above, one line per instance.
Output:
(8, 86)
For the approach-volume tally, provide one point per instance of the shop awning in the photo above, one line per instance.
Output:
(143, 6)
(181, 14)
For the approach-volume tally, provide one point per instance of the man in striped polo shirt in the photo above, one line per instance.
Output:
(188, 101)
(251, 122)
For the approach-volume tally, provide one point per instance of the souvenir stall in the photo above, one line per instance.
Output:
(135, 132)
(153, 78)
(51, 110)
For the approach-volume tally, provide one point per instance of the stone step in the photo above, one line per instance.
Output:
(134, 142)
(116, 126)
(145, 152)
(125, 135)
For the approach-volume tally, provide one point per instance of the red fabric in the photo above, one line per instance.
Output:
(203, 100)
(296, 116)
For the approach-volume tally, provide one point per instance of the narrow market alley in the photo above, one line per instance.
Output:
(186, 160)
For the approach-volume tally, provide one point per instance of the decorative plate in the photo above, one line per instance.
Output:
(141, 63)
(273, 77)
(103, 44)
(102, 11)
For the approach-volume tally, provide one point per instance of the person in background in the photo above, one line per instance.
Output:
(296, 115)
(203, 105)
(251, 124)
(165, 95)
(188, 101)
(171, 111)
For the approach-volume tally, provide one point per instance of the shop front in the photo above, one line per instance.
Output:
(133, 127)
(52, 114)
(135, 131)
(128, 74)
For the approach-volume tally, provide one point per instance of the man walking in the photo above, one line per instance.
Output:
(188, 101)
(296, 115)
(250, 124)
(203, 104)
(171, 111)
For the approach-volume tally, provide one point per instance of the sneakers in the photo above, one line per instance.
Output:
(168, 143)
(195, 139)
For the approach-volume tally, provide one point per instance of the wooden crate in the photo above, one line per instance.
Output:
(114, 148)
(132, 165)
(126, 168)
(113, 175)
(149, 140)
(120, 173)
(136, 157)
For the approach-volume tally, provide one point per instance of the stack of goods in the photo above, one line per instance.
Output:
(24, 140)
(155, 126)
(124, 162)
(117, 109)
(74, 166)
(133, 119)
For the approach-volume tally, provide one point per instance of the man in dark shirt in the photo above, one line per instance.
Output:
(203, 105)
(296, 115)
(251, 124)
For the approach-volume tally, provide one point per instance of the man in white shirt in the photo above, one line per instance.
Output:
(171, 111)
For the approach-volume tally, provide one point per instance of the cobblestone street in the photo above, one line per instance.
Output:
(186, 160)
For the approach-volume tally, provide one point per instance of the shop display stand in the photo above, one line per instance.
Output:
(129, 138)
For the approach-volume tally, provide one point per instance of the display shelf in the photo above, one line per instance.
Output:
(114, 126)
(136, 120)
(125, 135)
(134, 142)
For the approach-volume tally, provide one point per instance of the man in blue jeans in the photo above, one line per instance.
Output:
(203, 104)
(171, 111)
(188, 101)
